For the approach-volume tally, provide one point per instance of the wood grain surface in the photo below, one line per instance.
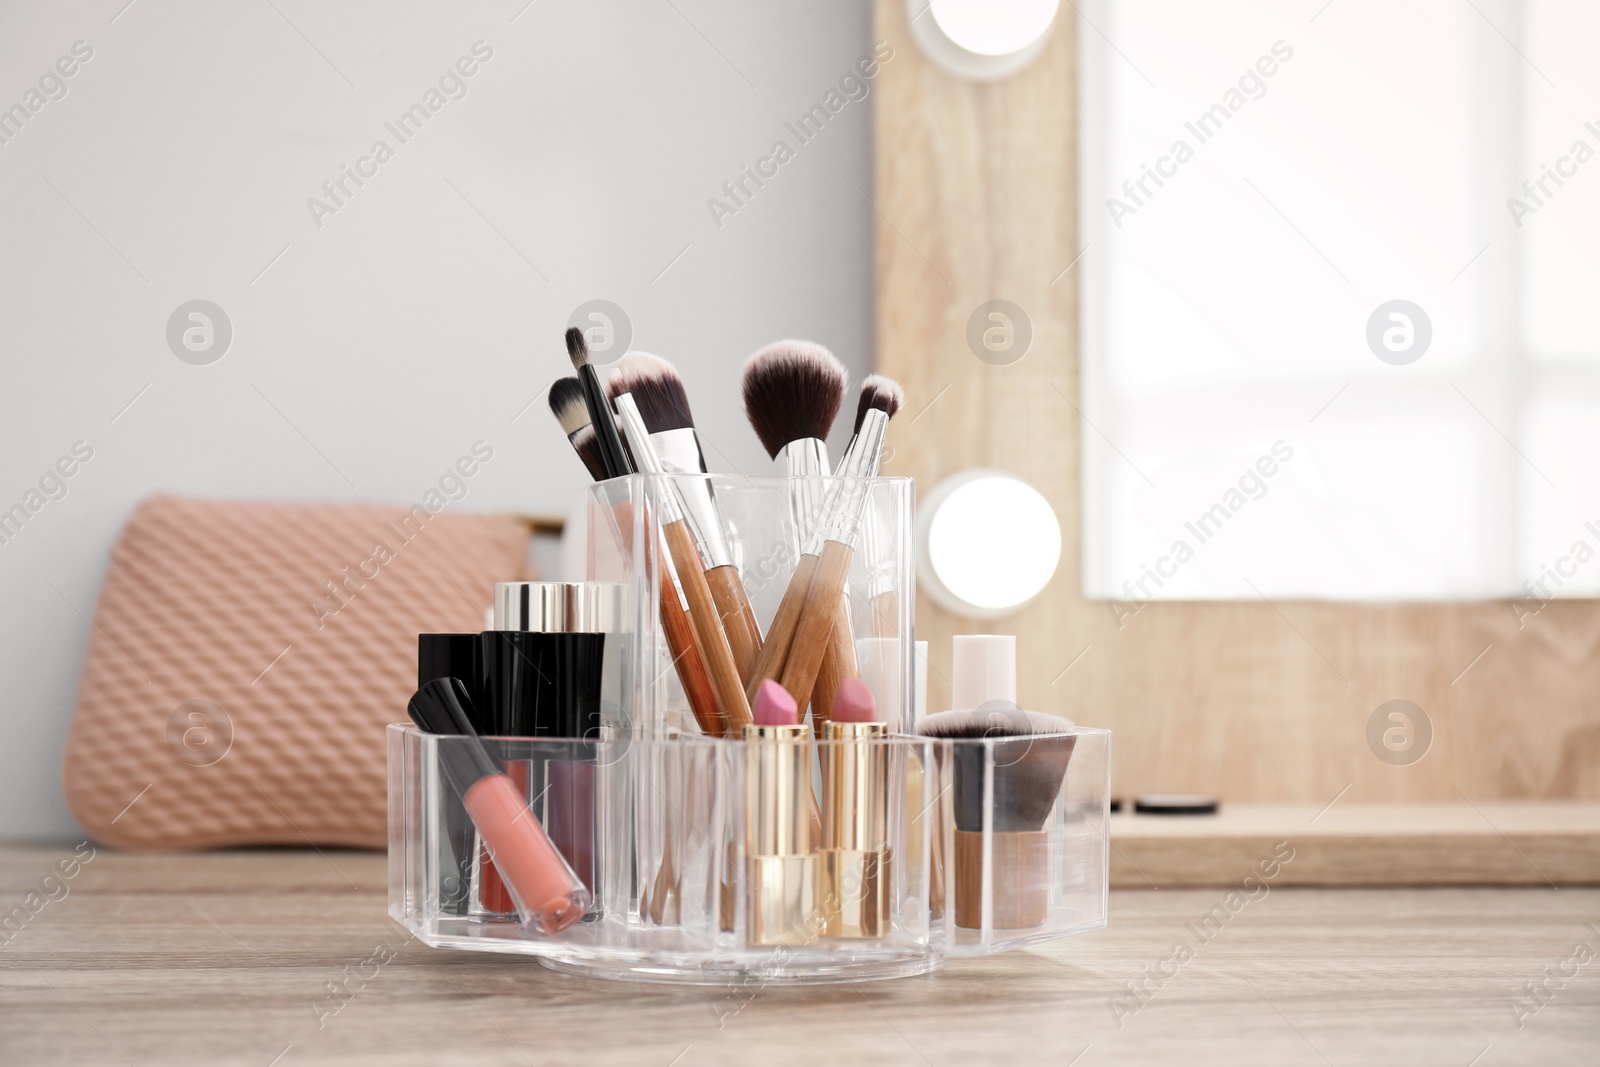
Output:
(1511, 843)
(975, 198)
(225, 960)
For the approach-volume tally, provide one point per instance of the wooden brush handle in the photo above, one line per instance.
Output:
(691, 668)
(738, 617)
(703, 616)
(816, 621)
(838, 663)
(780, 635)
(675, 627)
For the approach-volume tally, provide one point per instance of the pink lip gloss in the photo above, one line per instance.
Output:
(548, 896)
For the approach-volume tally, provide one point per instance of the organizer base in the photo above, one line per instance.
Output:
(727, 973)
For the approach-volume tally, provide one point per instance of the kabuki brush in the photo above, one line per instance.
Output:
(1024, 755)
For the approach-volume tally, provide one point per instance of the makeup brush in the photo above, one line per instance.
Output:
(838, 534)
(1025, 756)
(548, 896)
(703, 614)
(879, 393)
(792, 393)
(663, 403)
(572, 412)
(594, 395)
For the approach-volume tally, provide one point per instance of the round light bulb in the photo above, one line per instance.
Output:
(993, 27)
(983, 40)
(988, 543)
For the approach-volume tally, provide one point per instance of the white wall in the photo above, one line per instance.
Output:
(414, 320)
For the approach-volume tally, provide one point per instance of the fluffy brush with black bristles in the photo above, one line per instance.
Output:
(657, 389)
(572, 412)
(1031, 751)
(879, 392)
(614, 459)
(792, 392)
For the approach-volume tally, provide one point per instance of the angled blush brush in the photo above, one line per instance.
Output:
(878, 393)
(663, 405)
(703, 613)
(572, 412)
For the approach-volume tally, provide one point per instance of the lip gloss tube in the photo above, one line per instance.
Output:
(544, 665)
(547, 896)
(855, 861)
(780, 898)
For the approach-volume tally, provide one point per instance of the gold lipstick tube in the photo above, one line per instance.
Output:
(781, 889)
(854, 864)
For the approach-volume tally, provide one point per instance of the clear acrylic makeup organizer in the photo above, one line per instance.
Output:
(662, 832)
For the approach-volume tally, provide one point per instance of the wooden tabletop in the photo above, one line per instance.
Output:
(1523, 842)
(226, 959)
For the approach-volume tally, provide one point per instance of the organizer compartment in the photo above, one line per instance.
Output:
(653, 815)
(671, 869)
(624, 545)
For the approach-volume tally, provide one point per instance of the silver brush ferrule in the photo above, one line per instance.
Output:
(644, 454)
(848, 502)
(807, 463)
(875, 539)
(680, 453)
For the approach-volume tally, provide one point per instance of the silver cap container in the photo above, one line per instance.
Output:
(559, 607)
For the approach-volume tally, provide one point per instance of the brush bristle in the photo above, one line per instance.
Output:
(657, 389)
(792, 391)
(568, 405)
(994, 719)
(587, 445)
(881, 393)
(577, 347)
(1030, 752)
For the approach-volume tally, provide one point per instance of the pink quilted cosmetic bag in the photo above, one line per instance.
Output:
(245, 657)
